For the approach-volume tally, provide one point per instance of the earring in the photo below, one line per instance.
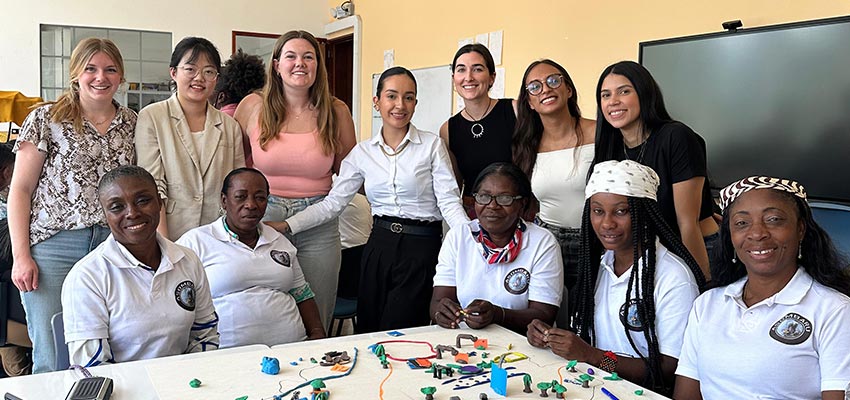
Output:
(800, 251)
(733, 257)
(375, 106)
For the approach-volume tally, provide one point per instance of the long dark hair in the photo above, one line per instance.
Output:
(653, 113)
(647, 225)
(819, 258)
(529, 127)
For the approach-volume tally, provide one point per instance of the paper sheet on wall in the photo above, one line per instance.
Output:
(464, 42)
(389, 58)
(495, 46)
(458, 103)
(498, 89)
(482, 38)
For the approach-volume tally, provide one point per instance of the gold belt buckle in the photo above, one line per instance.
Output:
(396, 227)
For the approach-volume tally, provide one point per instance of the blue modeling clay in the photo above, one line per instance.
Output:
(271, 365)
(499, 380)
(395, 333)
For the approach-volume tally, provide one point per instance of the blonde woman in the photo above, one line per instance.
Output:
(298, 135)
(63, 150)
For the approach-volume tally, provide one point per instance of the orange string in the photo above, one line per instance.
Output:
(381, 388)
(560, 378)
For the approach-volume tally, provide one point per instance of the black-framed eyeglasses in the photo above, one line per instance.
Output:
(501, 199)
(535, 87)
(209, 74)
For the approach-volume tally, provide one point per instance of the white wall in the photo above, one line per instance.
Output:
(212, 19)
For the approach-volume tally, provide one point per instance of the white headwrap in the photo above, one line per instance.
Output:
(627, 178)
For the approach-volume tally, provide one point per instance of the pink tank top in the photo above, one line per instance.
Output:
(294, 163)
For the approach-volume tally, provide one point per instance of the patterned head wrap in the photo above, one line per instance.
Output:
(627, 178)
(730, 193)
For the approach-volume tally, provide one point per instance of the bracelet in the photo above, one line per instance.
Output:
(609, 361)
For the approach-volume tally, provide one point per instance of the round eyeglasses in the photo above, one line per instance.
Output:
(501, 199)
(209, 74)
(535, 87)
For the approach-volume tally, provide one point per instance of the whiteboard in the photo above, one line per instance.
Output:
(434, 92)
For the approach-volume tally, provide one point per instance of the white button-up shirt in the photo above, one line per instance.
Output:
(415, 183)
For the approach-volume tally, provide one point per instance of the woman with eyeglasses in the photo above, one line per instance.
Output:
(186, 144)
(633, 124)
(481, 133)
(498, 269)
(297, 134)
(553, 145)
(409, 183)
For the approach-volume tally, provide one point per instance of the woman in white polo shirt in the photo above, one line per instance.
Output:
(498, 268)
(777, 325)
(137, 295)
(627, 320)
(256, 281)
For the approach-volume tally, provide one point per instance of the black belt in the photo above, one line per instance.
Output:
(410, 227)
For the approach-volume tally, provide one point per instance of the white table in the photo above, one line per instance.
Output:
(231, 373)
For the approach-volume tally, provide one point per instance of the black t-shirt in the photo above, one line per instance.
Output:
(677, 154)
(473, 154)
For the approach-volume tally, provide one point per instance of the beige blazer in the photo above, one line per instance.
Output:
(191, 189)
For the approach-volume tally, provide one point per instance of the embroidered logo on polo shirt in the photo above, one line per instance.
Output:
(185, 295)
(516, 282)
(282, 258)
(629, 315)
(793, 328)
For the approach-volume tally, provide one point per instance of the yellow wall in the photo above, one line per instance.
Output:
(584, 36)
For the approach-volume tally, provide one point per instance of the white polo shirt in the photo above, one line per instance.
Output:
(117, 310)
(675, 291)
(792, 345)
(537, 274)
(250, 287)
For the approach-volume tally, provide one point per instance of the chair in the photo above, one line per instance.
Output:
(343, 310)
(62, 357)
(834, 218)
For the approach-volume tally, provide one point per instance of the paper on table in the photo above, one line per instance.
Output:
(495, 46)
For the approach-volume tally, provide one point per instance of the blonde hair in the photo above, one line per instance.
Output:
(67, 107)
(275, 109)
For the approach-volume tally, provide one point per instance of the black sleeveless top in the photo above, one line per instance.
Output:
(473, 153)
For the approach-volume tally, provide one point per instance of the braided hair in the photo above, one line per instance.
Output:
(647, 225)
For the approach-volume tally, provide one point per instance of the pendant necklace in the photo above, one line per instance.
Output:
(639, 158)
(477, 129)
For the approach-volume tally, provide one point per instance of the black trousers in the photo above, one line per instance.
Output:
(396, 280)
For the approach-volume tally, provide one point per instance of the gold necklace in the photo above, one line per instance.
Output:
(397, 151)
(98, 123)
(476, 122)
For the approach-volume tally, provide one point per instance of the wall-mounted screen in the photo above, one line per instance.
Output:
(768, 101)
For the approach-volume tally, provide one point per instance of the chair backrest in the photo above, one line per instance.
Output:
(62, 357)
(834, 218)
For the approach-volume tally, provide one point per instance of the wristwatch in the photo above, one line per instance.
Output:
(609, 361)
